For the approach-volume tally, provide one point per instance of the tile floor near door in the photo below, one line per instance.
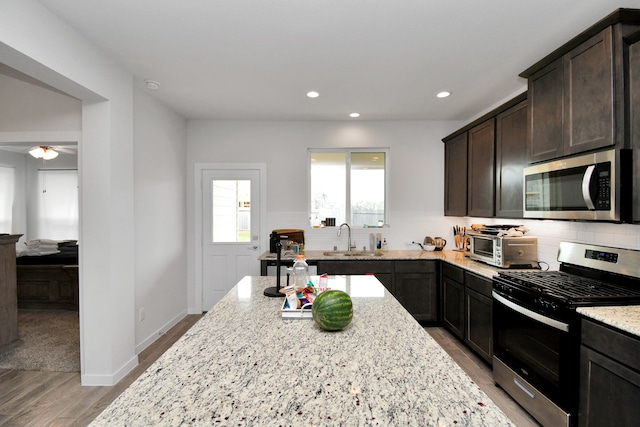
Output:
(480, 372)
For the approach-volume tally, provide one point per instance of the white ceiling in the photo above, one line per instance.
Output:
(256, 59)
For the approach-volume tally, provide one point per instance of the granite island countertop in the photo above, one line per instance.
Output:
(243, 365)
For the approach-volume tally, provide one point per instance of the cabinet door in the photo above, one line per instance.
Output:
(609, 391)
(545, 113)
(455, 180)
(479, 324)
(588, 77)
(453, 306)
(511, 157)
(634, 93)
(481, 170)
(589, 94)
(418, 293)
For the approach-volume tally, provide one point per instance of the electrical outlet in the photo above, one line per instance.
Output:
(141, 315)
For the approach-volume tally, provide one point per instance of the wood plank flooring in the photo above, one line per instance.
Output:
(480, 372)
(34, 398)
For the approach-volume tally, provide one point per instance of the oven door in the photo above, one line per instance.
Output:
(543, 351)
(483, 248)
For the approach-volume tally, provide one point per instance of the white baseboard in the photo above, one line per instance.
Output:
(157, 334)
(109, 380)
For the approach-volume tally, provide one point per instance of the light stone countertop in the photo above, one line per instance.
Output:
(453, 257)
(625, 318)
(243, 365)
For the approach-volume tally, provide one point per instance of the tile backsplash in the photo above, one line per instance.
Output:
(406, 227)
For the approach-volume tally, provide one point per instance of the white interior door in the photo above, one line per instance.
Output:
(231, 230)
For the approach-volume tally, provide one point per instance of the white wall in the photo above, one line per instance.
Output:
(27, 105)
(35, 42)
(417, 186)
(160, 212)
(416, 169)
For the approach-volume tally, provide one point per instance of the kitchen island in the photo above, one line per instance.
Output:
(242, 364)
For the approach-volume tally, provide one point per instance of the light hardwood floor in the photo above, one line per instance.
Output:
(32, 398)
(480, 372)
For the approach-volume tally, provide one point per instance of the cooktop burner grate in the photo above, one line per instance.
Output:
(571, 288)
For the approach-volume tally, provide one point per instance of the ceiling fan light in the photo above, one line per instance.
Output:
(50, 153)
(37, 152)
(43, 152)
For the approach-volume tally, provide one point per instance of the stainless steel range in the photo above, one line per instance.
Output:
(537, 330)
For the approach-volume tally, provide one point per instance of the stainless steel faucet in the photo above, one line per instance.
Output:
(349, 246)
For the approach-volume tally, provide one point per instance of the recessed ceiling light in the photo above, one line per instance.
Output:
(313, 94)
(443, 94)
(354, 115)
(152, 84)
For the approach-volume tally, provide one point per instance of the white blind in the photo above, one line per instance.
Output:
(7, 189)
(57, 205)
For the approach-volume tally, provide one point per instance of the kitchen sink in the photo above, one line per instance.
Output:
(352, 253)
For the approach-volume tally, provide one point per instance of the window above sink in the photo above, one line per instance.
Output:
(349, 185)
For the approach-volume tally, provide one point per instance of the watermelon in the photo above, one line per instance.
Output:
(332, 310)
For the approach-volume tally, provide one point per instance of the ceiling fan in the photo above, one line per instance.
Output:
(48, 152)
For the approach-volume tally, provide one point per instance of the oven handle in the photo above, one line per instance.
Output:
(531, 314)
(523, 388)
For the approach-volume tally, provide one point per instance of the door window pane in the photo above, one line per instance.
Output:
(231, 211)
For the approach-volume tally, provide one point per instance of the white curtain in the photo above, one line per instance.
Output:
(57, 205)
(7, 189)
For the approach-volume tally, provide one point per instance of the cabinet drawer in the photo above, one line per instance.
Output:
(415, 266)
(452, 272)
(478, 284)
(612, 343)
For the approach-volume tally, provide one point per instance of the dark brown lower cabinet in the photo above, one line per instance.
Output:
(416, 288)
(467, 309)
(609, 377)
(479, 315)
(383, 270)
(414, 283)
(453, 306)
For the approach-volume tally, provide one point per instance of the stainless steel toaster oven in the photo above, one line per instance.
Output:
(504, 251)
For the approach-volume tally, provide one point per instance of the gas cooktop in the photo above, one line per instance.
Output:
(572, 288)
(589, 275)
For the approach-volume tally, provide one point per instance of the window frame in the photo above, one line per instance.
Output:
(348, 152)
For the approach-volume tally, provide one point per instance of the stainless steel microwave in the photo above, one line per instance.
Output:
(595, 186)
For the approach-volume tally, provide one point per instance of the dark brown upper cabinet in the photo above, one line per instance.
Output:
(481, 169)
(484, 161)
(511, 157)
(634, 114)
(577, 93)
(455, 179)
